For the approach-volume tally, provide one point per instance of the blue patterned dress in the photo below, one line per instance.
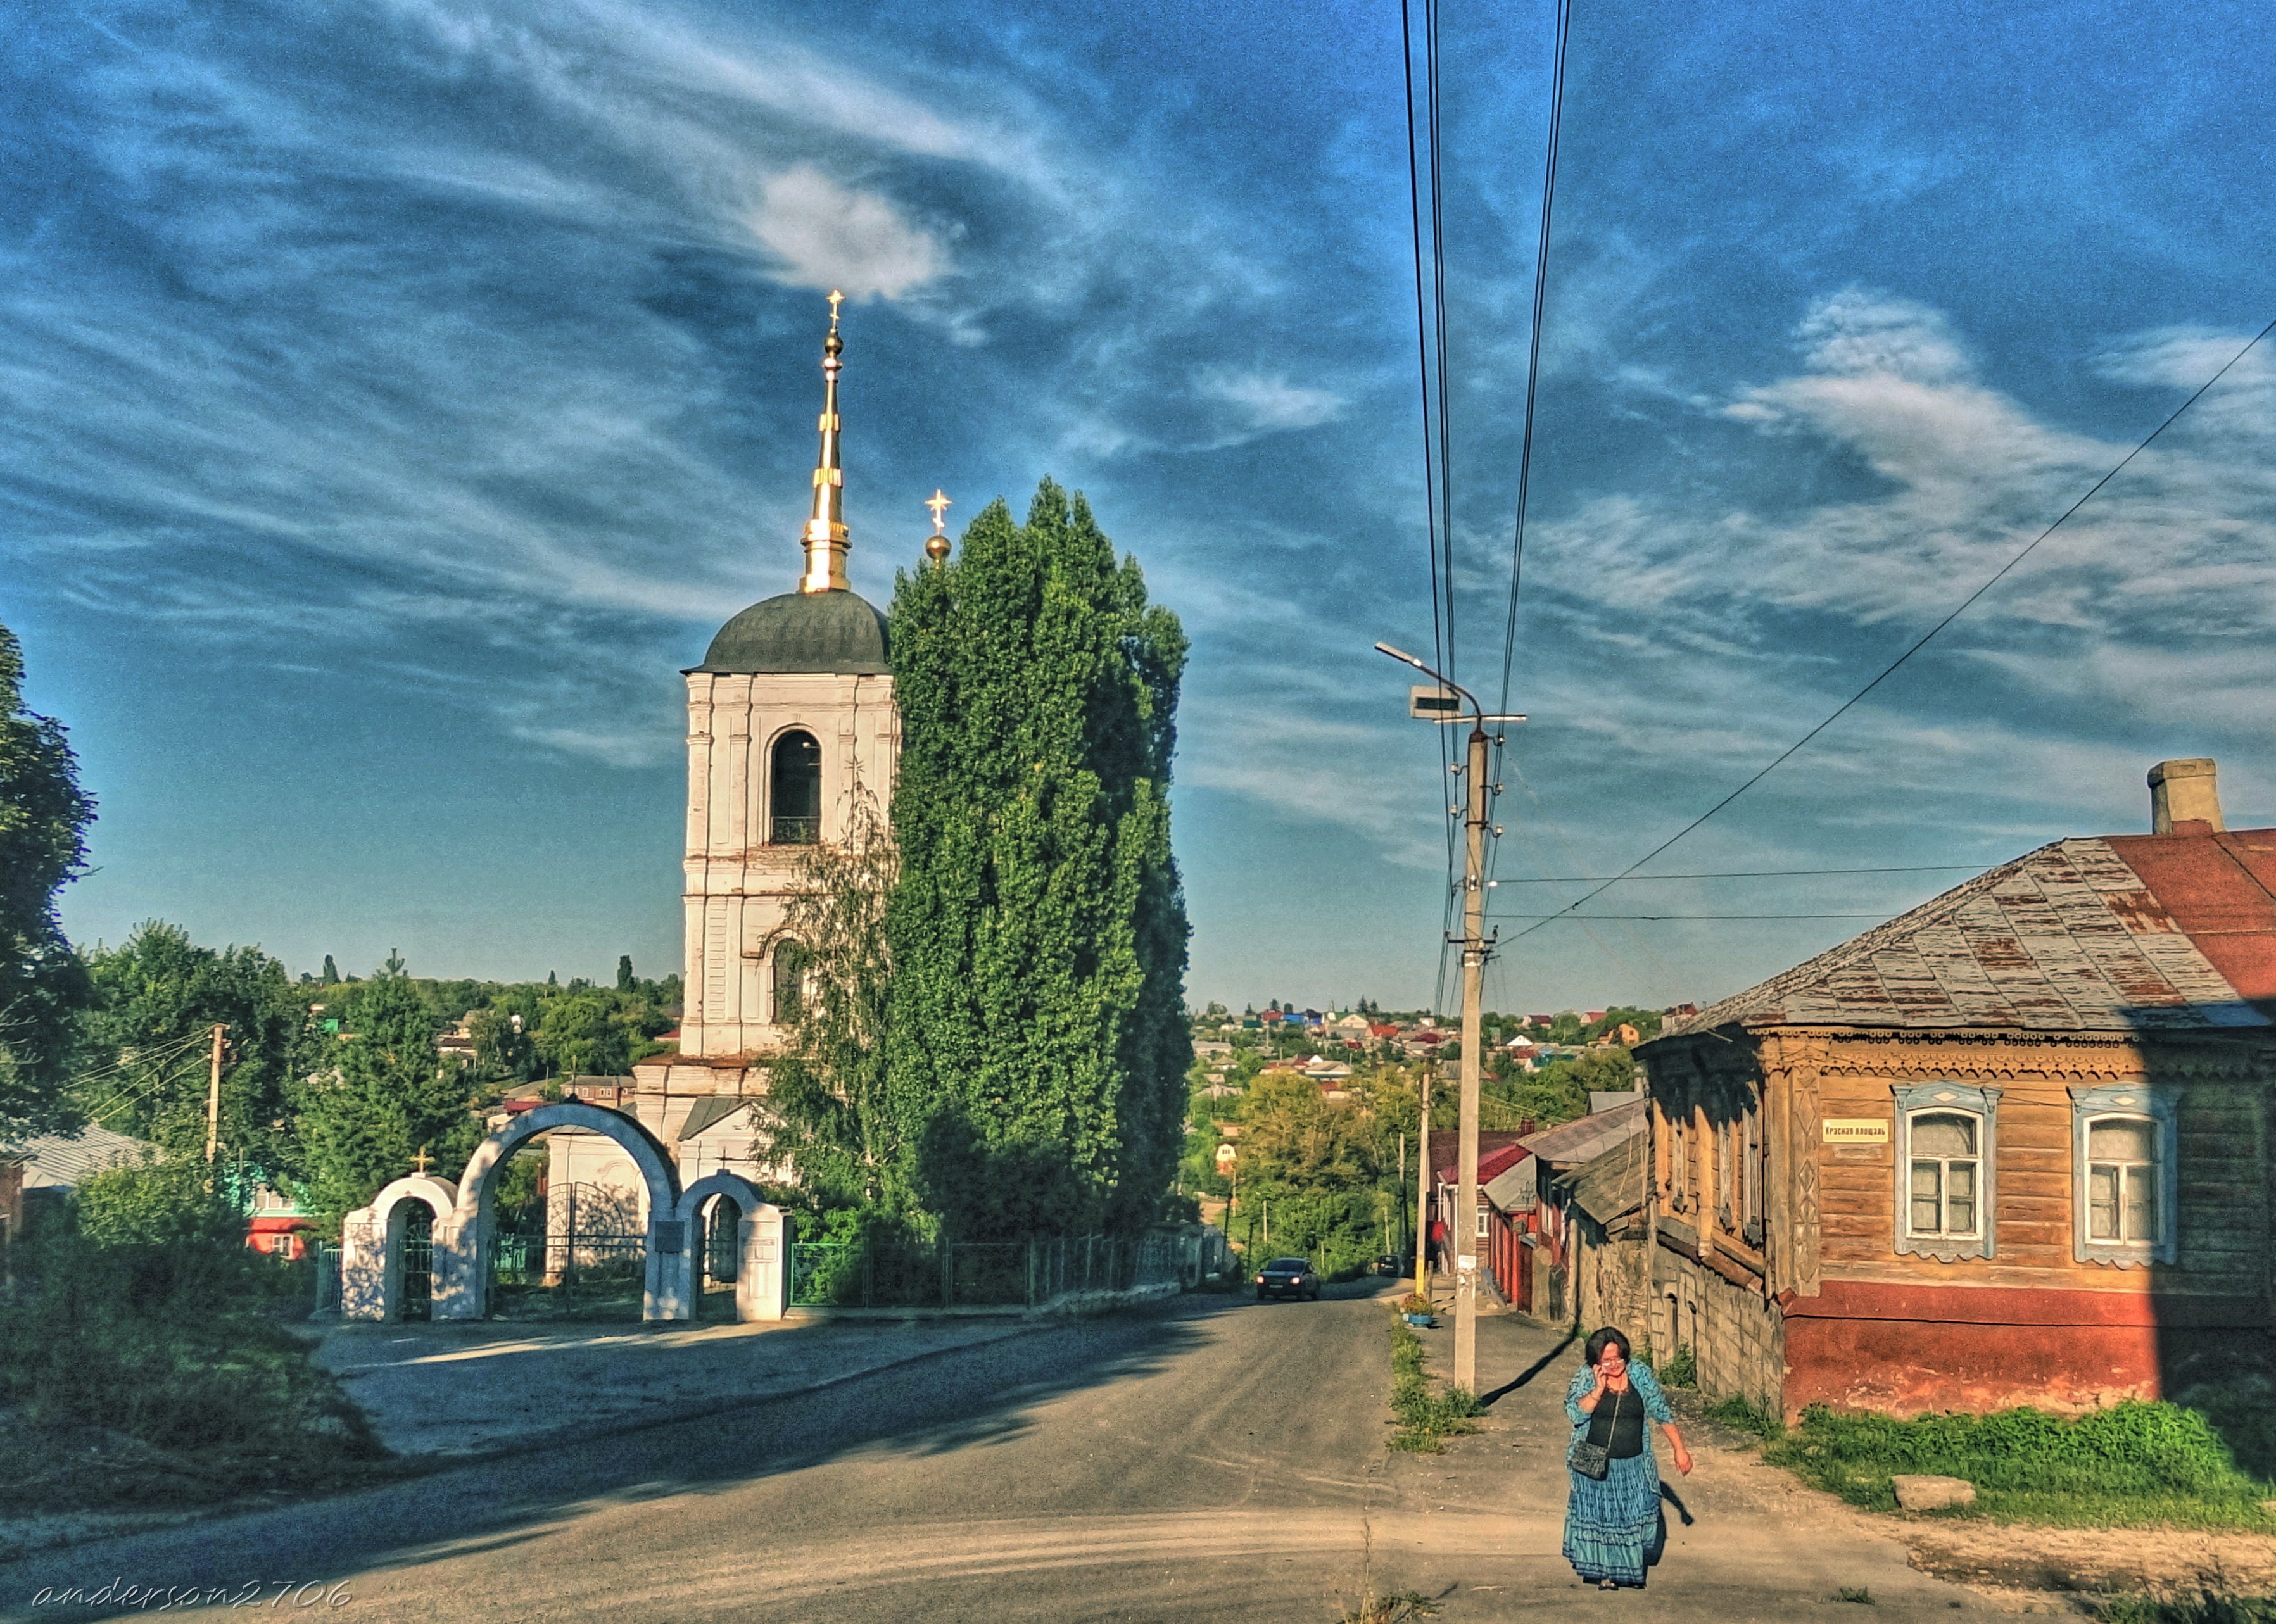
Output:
(1612, 1528)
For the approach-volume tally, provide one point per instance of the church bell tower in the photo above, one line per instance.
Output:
(790, 723)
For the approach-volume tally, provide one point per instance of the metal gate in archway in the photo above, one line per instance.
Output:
(583, 1254)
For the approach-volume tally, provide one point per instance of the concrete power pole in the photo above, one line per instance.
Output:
(1473, 972)
(1448, 703)
(213, 1096)
(1423, 1196)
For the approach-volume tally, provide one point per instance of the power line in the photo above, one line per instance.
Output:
(1741, 874)
(1533, 355)
(1922, 642)
(1581, 918)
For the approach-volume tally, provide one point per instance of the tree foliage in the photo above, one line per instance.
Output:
(387, 1096)
(43, 819)
(834, 1121)
(1037, 1042)
(156, 995)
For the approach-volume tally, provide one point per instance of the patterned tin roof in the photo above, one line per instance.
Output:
(60, 1161)
(2174, 931)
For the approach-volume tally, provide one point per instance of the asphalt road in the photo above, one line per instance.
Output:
(1213, 1460)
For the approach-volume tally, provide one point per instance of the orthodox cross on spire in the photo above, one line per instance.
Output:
(825, 539)
(937, 548)
(420, 1161)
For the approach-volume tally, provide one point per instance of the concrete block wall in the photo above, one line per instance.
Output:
(1737, 1336)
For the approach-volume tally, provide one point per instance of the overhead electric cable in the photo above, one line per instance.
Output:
(1922, 642)
(1581, 918)
(1742, 873)
(1533, 350)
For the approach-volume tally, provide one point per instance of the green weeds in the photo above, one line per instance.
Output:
(2132, 1465)
(2206, 1609)
(1681, 1369)
(1428, 1415)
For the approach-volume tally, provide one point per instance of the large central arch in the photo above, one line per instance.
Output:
(463, 1283)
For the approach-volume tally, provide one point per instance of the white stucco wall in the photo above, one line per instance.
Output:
(738, 885)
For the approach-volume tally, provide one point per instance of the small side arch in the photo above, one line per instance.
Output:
(371, 1248)
(465, 1295)
(763, 1274)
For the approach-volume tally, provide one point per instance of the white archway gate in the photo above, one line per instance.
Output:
(372, 1249)
(763, 1248)
(465, 1229)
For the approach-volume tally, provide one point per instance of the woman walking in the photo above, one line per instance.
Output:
(1612, 1522)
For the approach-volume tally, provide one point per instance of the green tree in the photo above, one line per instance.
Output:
(156, 998)
(1038, 1042)
(388, 1096)
(332, 972)
(582, 1035)
(43, 819)
(827, 1094)
(625, 983)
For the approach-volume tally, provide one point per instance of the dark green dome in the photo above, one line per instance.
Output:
(835, 632)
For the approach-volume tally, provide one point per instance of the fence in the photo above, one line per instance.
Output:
(881, 1273)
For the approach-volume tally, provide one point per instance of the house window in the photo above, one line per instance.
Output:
(1482, 1222)
(2122, 1143)
(1946, 1157)
(794, 790)
(1944, 1169)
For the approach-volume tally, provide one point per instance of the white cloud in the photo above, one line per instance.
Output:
(1271, 402)
(823, 235)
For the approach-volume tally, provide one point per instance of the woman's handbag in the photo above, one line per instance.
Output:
(1593, 1460)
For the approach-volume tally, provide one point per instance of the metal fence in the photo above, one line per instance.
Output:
(880, 1273)
(538, 1273)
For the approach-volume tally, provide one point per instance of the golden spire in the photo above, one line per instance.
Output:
(937, 548)
(826, 540)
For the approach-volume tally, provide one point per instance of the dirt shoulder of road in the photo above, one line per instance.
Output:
(2030, 1563)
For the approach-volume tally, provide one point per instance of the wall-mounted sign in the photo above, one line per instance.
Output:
(1856, 1130)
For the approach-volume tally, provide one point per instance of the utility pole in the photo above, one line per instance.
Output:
(213, 1096)
(1473, 975)
(1448, 703)
(1423, 1195)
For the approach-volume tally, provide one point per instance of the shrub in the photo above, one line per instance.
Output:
(1681, 1369)
(147, 1337)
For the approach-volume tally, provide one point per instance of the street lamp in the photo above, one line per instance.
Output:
(1447, 704)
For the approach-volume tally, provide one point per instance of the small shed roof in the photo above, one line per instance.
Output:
(1609, 1185)
(2172, 931)
(1585, 1137)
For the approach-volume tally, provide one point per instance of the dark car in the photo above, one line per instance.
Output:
(1288, 1276)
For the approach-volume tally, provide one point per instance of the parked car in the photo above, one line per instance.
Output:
(1288, 1276)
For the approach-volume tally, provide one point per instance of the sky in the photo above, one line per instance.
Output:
(395, 397)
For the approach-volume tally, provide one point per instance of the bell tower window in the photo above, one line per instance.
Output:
(794, 790)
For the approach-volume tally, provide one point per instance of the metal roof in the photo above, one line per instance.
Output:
(2174, 932)
(1609, 1185)
(59, 1161)
(1588, 1136)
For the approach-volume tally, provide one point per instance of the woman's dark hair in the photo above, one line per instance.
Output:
(1603, 1339)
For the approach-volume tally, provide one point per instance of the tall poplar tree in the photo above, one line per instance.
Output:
(1037, 1047)
(43, 818)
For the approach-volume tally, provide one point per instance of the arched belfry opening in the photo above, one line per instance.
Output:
(794, 790)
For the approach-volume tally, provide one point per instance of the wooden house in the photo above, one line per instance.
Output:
(2011, 1147)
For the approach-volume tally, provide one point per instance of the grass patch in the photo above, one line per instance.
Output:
(1681, 1369)
(2206, 1609)
(145, 1359)
(1857, 1593)
(1428, 1414)
(2135, 1464)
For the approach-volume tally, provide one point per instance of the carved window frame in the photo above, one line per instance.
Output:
(1948, 1099)
(2156, 1104)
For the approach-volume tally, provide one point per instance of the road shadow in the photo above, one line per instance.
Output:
(1527, 1374)
(958, 1398)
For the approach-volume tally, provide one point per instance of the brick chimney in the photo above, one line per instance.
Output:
(2184, 791)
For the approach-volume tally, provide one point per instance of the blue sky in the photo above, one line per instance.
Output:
(394, 396)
